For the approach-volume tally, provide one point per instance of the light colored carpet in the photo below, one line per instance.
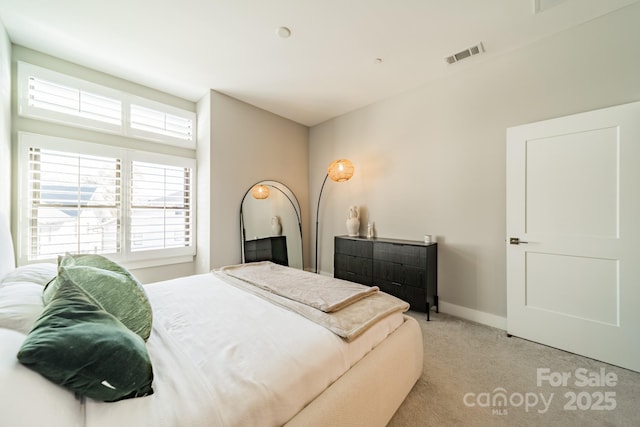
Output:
(468, 367)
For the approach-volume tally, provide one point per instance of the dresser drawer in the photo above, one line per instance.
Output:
(401, 254)
(354, 247)
(386, 273)
(250, 245)
(391, 273)
(354, 269)
(267, 249)
(416, 297)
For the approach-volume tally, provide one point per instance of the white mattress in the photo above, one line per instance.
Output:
(246, 360)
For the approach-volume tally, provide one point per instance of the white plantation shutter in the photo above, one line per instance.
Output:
(138, 207)
(161, 122)
(161, 206)
(48, 95)
(74, 202)
(68, 100)
(81, 197)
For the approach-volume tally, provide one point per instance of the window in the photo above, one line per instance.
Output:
(160, 206)
(74, 203)
(82, 197)
(47, 95)
(151, 122)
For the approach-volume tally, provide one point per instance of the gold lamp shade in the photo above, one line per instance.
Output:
(340, 170)
(260, 192)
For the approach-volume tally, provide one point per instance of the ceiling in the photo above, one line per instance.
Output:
(341, 55)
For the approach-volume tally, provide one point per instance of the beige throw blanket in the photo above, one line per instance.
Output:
(348, 322)
(324, 293)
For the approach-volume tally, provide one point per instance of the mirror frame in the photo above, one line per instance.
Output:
(293, 200)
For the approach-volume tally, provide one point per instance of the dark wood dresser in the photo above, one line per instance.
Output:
(406, 269)
(267, 249)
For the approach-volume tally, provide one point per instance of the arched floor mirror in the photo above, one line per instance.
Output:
(270, 225)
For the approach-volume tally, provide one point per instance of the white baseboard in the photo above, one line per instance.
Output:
(473, 315)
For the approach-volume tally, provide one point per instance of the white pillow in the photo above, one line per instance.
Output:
(40, 274)
(27, 398)
(20, 305)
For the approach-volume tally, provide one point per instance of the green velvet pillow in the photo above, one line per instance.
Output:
(111, 285)
(78, 345)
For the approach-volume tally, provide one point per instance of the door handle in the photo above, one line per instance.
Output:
(515, 241)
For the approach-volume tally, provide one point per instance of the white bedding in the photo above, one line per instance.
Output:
(244, 360)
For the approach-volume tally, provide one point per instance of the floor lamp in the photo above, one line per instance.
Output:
(339, 171)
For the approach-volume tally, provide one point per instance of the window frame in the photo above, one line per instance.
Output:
(125, 128)
(26, 70)
(165, 109)
(131, 259)
(148, 157)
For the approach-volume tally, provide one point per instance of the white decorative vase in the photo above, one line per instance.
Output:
(353, 221)
(353, 227)
(276, 226)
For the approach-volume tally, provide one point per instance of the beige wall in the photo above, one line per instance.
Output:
(432, 160)
(247, 144)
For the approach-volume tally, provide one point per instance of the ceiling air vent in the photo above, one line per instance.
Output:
(467, 53)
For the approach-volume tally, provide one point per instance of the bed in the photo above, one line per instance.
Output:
(224, 353)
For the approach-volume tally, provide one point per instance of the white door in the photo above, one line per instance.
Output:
(573, 195)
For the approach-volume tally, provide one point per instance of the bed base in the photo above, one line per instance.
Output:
(374, 388)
